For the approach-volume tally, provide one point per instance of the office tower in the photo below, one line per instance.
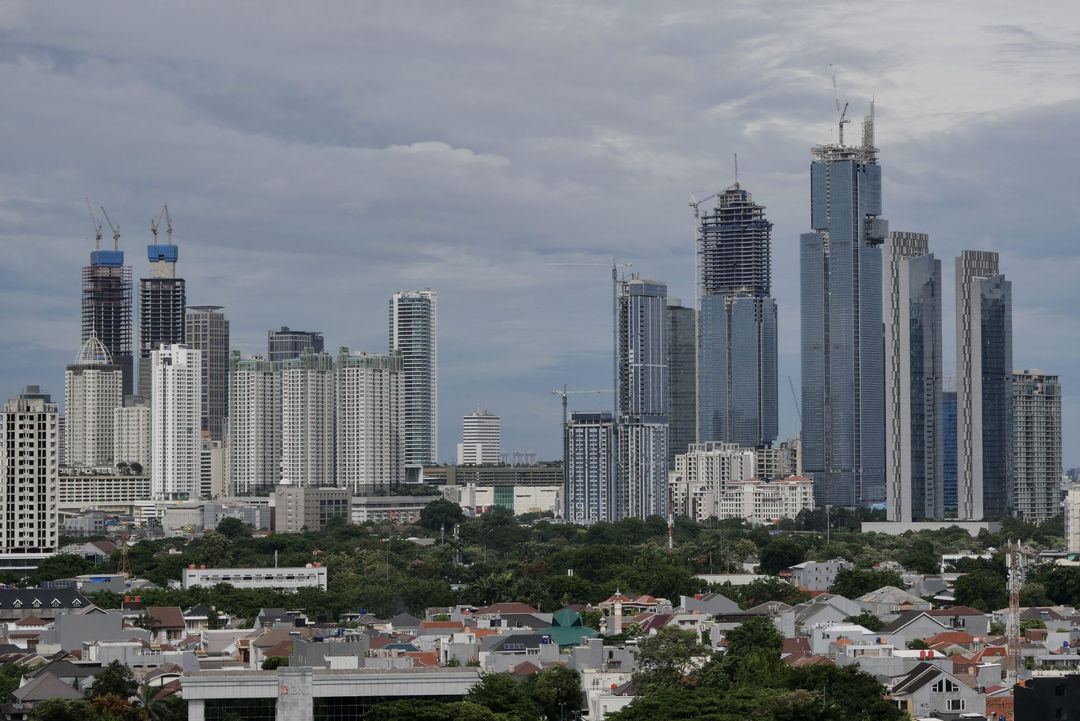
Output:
(984, 403)
(737, 354)
(162, 301)
(914, 440)
(176, 373)
(369, 453)
(843, 367)
(643, 394)
(286, 344)
(28, 528)
(481, 440)
(414, 332)
(590, 468)
(211, 467)
(1036, 445)
(207, 330)
(93, 389)
(307, 420)
(682, 368)
(131, 437)
(948, 435)
(255, 424)
(106, 308)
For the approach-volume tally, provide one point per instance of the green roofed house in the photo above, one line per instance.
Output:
(567, 629)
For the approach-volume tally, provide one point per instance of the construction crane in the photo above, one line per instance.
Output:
(168, 221)
(564, 393)
(97, 225)
(114, 228)
(842, 114)
(155, 222)
(795, 399)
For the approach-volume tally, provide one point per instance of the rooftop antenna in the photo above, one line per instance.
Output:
(114, 228)
(97, 225)
(841, 113)
(736, 170)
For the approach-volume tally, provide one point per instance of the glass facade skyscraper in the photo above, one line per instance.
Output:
(643, 395)
(414, 332)
(915, 490)
(737, 393)
(948, 455)
(843, 367)
(984, 402)
(106, 309)
(162, 300)
(681, 360)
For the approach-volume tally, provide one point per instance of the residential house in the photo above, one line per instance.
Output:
(817, 575)
(888, 602)
(963, 618)
(910, 625)
(928, 690)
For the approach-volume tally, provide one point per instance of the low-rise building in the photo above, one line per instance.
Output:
(927, 690)
(477, 499)
(297, 508)
(818, 575)
(105, 490)
(399, 509)
(284, 579)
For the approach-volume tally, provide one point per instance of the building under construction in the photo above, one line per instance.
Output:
(106, 308)
(162, 302)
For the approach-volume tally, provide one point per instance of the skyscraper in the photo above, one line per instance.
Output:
(254, 446)
(106, 308)
(590, 468)
(984, 402)
(286, 344)
(93, 390)
(682, 367)
(162, 301)
(913, 415)
(843, 368)
(948, 435)
(414, 332)
(207, 330)
(481, 439)
(307, 420)
(737, 354)
(174, 430)
(28, 528)
(368, 453)
(643, 396)
(1036, 445)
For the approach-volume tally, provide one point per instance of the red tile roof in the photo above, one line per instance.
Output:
(435, 625)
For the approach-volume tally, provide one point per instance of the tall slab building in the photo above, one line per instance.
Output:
(481, 439)
(162, 299)
(1036, 445)
(308, 412)
(254, 446)
(590, 468)
(369, 456)
(643, 397)
(175, 373)
(93, 390)
(737, 391)
(206, 329)
(28, 457)
(682, 368)
(913, 377)
(106, 308)
(984, 402)
(414, 331)
(843, 365)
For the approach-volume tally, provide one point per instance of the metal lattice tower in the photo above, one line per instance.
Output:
(1015, 563)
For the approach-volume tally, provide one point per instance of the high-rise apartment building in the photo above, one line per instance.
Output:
(414, 332)
(843, 368)
(212, 478)
(28, 527)
(590, 468)
(1036, 445)
(255, 424)
(207, 330)
(369, 455)
(131, 437)
(93, 389)
(286, 344)
(176, 373)
(162, 300)
(307, 420)
(481, 439)
(704, 473)
(913, 414)
(106, 308)
(984, 401)
(737, 393)
(643, 398)
(682, 369)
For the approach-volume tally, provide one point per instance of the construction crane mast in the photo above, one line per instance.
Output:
(564, 392)
(97, 225)
(155, 222)
(114, 228)
(841, 114)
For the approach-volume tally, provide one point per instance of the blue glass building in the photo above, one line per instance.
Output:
(737, 392)
(842, 333)
(948, 454)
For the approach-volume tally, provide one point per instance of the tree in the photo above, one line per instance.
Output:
(753, 635)
(853, 583)
(781, 553)
(63, 565)
(57, 709)
(234, 528)
(441, 514)
(214, 548)
(917, 644)
(557, 692)
(136, 468)
(666, 659)
(763, 590)
(920, 562)
(117, 679)
(271, 663)
(1032, 623)
(867, 620)
(984, 590)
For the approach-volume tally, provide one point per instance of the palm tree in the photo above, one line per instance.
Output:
(147, 706)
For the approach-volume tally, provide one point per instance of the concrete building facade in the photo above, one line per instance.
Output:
(1036, 445)
(481, 439)
(369, 453)
(255, 424)
(29, 527)
(308, 407)
(162, 300)
(287, 344)
(206, 329)
(131, 435)
(93, 389)
(176, 373)
(590, 467)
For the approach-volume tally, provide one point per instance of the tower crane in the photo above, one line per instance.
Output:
(114, 228)
(795, 399)
(97, 225)
(168, 221)
(842, 114)
(155, 222)
(564, 393)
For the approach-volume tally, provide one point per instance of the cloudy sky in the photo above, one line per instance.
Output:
(318, 156)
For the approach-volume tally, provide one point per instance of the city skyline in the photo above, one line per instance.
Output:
(611, 180)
